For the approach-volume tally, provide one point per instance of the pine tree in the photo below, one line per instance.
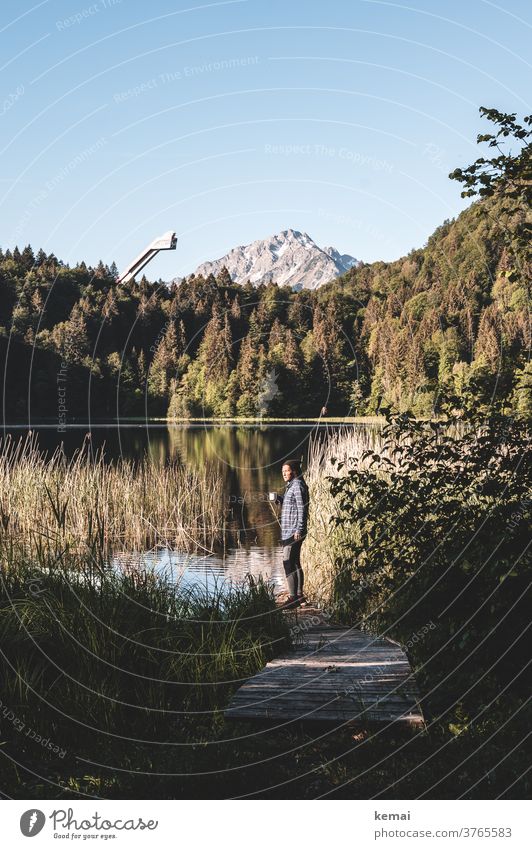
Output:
(247, 378)
(77, 339)
(110, 307)
(21, 317)
(236, 311)
(27, 258)
(141, 368)
(276, 335)
(293, 359)
(224, 278)
(70, 338)
(212, 353)
(164, 364)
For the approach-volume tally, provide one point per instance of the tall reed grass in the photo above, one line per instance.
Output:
(324, 543)
(89, 504)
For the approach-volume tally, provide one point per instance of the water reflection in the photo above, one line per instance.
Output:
(249, 457)
(209, 571)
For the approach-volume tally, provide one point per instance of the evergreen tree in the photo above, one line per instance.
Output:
(224, 278)
(163, 367)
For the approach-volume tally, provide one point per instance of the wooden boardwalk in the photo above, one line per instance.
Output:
(335, 675)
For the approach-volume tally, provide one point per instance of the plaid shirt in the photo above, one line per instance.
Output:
(294, 514)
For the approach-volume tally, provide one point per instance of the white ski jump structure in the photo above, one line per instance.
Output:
(166, 242)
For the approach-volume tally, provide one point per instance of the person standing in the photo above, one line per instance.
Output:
(294, 518)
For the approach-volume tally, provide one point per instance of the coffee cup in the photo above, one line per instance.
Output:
(272, 496)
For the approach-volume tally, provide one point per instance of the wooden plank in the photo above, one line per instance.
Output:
(334, 674)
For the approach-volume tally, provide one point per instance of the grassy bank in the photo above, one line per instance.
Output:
(122, 670)
(91, 505)
(114, 687)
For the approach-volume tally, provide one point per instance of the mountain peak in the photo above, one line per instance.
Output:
(287, 258)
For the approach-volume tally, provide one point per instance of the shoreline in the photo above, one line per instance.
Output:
(196, 420)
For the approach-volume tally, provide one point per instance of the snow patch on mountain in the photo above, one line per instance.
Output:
(287, 258)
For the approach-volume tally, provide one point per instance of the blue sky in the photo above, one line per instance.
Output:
(230, 121)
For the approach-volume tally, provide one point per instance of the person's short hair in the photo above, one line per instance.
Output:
(295, 465)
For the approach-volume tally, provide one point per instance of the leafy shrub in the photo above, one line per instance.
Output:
(436, 527)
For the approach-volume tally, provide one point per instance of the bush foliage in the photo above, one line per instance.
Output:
(436, 543)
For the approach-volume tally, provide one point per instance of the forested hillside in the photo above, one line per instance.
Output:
(450, 319)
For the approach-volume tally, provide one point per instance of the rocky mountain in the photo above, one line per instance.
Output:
(288, 258)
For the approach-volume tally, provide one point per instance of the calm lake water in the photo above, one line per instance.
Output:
(249, 458)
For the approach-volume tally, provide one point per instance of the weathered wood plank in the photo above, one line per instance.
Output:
(334, 674)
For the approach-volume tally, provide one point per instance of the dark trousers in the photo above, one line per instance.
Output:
(292, 567)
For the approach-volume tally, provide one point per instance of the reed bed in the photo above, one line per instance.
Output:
(324, 542)
(89, 504)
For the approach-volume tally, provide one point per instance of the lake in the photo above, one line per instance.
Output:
(249, 457)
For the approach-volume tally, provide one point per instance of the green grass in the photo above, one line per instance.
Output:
(112, 666)
(128, 678)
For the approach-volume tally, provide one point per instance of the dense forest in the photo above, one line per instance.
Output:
(447, 319)
(450, 322)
